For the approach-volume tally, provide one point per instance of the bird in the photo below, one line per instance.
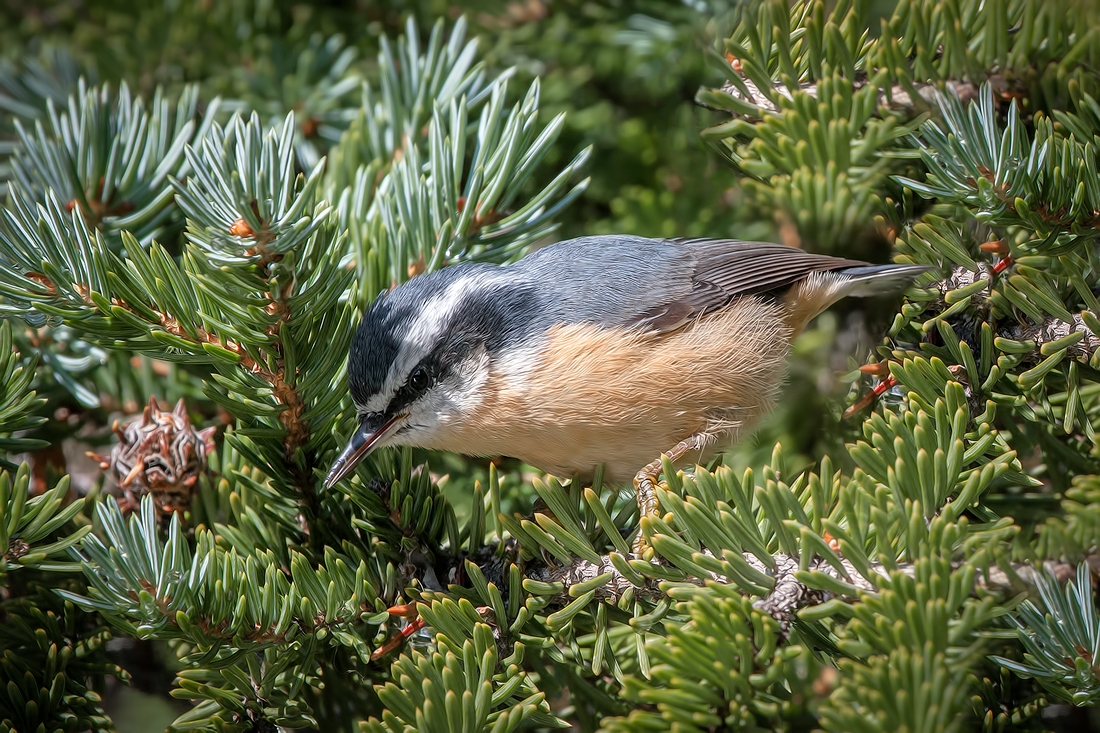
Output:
(604, 350)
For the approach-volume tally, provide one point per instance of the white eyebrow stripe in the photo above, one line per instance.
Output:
(434, 315)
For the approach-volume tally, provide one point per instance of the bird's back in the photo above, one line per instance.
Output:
(662, 284)
(606, 280)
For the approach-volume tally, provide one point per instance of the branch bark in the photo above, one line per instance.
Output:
(788, 595)
(913, 100)
(1043, 332)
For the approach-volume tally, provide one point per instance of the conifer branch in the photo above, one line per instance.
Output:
(1032, 338)
(910, 100)
(1054, 331)
(790, 594)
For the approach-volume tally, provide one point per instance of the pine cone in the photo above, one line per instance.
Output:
(160, 454)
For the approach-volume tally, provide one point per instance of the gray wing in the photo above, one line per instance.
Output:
(611, 280)
(743, 268)
(725, 269)
(661, 284)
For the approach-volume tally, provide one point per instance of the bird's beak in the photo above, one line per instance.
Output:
(361, 445)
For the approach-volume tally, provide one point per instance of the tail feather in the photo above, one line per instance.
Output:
(823, 288)
(862, 282)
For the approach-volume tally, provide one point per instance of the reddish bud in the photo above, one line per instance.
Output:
(241, 228)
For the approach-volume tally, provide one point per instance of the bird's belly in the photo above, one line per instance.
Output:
(595, 395)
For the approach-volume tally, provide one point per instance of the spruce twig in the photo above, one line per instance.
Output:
(790, 593)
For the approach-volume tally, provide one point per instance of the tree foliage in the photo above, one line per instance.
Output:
(213, 230)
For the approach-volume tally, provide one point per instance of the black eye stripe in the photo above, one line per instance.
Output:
(418, 382)
(372, 419)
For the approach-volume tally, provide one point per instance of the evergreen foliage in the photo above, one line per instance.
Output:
(214, 229)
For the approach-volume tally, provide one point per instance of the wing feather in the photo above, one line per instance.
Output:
(747, 268)
(658, 285)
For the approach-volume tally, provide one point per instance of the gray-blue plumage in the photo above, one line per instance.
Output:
(614, 281)
(609, 280)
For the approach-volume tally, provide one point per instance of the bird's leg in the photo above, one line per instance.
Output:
(645, 482)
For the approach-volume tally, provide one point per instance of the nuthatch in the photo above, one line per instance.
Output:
(606, 349)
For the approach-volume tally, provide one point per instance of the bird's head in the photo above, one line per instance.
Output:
(420, 358)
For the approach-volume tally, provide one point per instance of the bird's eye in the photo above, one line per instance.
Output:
(419, 379)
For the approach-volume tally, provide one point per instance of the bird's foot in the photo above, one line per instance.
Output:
(647, 480)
